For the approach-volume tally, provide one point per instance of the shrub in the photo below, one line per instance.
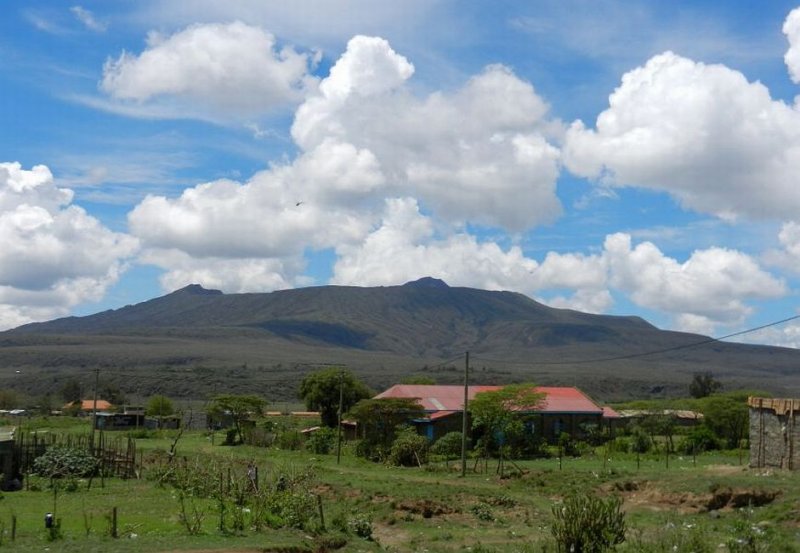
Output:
(619, 445)
(290, 439)
(322, 441)
(448, 445)
(482, 511)
(700, 438)
(588, 524)
(361, 526)
(409, 449)
(60, 461)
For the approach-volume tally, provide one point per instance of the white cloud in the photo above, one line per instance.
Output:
(480, 154)
(313, 203)
(88, 19)
(786, 335)
(53, 255)
(702, 133)
(229, 275)
(226, 70)
(791, 28)
(405, 248)
(363, 138)
(710, 287)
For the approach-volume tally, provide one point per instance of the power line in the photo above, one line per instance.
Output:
(646, 353)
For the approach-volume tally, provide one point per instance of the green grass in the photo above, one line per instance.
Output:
(416, 509)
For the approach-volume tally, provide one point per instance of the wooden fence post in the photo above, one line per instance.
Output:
(114, 522)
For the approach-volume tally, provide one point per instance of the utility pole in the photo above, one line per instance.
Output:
(464, 418)
(339, 418)
(94, 405)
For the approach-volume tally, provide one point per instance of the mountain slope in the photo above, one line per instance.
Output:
(383, 333)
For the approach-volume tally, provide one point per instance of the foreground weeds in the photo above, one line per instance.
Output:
(214, 497)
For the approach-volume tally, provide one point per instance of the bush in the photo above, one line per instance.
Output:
(619, 445)
(60, 461)
(409, 449)
(700, 438)
(588, 524)
(361, 526)
(448, 445)
(322, 441)
(290, 439)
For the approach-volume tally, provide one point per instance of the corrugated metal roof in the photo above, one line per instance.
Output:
(435, 398)
(781, 406)
(88, 405)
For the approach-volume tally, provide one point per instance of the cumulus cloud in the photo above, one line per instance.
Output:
(710, 287)
(221, 70)
(313, 202)
(405, 248)
(230, 275)
(791, 28)
(477, 155)
(703, 133)
(53, 255)
(464, 154)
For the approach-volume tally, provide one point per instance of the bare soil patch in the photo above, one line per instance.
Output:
(645, 495)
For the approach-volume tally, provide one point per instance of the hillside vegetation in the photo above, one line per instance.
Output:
(194, 341)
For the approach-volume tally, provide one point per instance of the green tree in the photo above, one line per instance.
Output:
(71, 391)
(239, 408)
(320, 391)
(498, 413)
(112, 394)
(9, 399)
(703, 385)
(419, 379)
(448, 446)
(378, 420)
(728, 416)
(159, 406)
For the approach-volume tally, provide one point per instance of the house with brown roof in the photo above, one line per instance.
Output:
(87, 406)
(562, 409)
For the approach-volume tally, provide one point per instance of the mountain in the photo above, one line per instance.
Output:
(194, 340)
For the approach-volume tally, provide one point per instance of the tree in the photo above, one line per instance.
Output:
(112, 394)
(159, 406)
(71, 391)
(498, 411)
(320, 391)
(703, 385)
(728, 416)
(9, 399)
(239, 408)
(378, 420)
(419, 379)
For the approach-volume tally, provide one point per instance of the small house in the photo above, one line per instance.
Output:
(562, 409)
(88, 406)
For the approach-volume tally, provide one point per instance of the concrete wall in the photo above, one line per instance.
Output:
(774, 433)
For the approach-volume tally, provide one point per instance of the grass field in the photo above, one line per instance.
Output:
(711, 503)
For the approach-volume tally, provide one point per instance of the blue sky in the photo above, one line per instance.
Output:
(612, 157)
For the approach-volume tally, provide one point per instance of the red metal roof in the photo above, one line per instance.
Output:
(88, 405)
(434, 398)
(609, 413)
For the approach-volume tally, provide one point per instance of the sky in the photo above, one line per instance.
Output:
(626, 158)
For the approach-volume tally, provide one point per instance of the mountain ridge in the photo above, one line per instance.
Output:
(384, 334)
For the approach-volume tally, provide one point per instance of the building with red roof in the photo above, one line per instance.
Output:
(562, 409)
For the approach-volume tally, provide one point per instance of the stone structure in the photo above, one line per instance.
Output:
(774, 432)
